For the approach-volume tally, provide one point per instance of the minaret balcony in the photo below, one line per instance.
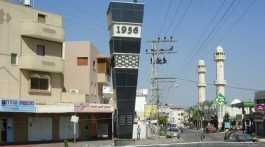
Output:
(217, 82)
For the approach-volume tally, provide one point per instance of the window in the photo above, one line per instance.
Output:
(41, 18)
(40, 50)
(13, 58)
(94, 65)
(260, 101)
(82, 61)
(40, 82)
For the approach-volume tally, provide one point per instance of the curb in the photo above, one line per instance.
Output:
(261, 140)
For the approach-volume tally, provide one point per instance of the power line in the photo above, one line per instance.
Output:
(236, 22)
(165, 17)
(182, 17)
(210, 22)
(211, 84)
(210, 33)
(174, 16)
(221, 26)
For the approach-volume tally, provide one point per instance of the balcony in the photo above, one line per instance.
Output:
(42, 63)
(43, 31)
(103, 78)
(73, 98)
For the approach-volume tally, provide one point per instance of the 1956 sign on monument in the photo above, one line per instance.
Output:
(125, 25)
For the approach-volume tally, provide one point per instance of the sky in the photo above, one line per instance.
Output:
(236, 25)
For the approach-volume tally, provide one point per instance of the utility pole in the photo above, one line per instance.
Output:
(158, 57)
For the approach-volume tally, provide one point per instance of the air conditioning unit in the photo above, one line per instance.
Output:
(74, 91)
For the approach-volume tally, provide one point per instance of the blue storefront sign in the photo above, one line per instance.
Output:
(16, 106)
(227, 125)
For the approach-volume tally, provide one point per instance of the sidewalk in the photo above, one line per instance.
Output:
(102, 143)
(262, 140)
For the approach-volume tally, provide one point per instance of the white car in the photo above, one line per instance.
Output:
(173, 132)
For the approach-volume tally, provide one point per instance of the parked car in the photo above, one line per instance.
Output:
(210, 129)
(173, 132)
(238, 137)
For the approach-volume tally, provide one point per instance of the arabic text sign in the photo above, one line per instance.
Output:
(94, 108)
(9, 105)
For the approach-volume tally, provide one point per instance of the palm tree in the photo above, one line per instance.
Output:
(196, 113)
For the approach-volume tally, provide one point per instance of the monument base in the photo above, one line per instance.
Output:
(124, 142)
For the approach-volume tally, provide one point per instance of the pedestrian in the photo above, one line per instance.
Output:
(138, 132)
(202, 134)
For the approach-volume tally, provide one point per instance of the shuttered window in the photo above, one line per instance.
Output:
(82, 61)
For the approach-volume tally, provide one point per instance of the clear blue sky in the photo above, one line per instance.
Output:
(242, 31)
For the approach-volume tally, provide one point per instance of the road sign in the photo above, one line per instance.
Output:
(74, 119)
(220, 99)
(227, 125)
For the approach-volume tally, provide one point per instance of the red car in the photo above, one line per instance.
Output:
(211, 129)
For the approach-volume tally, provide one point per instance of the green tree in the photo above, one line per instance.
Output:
(163, 120)
(197, 112)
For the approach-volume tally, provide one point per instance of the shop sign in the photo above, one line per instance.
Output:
(16, 106)
(227, 125)
(57, 108)
(260, 107)
(93, 108)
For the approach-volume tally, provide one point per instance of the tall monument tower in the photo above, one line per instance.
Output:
(201, 81)
(219, 58)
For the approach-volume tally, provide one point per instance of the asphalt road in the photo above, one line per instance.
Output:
(195, 136)
(189, 138)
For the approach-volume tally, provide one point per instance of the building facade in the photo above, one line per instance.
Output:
(31, 59)
(31, 69)
(176, 116)
(32, 90)
(83, 59)
(259, 115)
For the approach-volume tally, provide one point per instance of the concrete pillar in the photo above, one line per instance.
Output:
(21, 128)
(93, 126)
(55, 127)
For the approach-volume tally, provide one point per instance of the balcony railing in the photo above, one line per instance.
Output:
(42, 63)
(43, 31)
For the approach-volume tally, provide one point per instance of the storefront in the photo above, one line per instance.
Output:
(259, 119)
(259, 115)
(39, 129)
(25, 122)
(6, 127)
(56, 119)
(95, 121)
(10, 118)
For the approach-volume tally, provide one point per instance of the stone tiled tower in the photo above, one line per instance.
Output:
(124, 23)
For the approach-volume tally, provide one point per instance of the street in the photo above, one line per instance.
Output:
(188, 137)
(132, 72)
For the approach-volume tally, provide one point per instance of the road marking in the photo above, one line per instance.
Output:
(208, 142)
